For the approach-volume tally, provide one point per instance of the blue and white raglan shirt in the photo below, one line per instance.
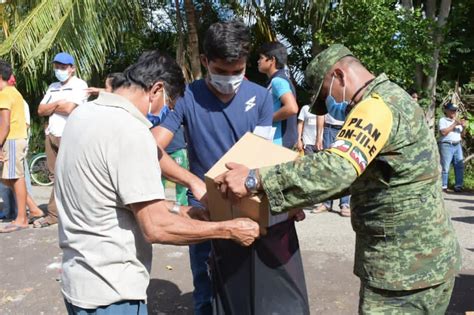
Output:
(213, 127)
(286, 133)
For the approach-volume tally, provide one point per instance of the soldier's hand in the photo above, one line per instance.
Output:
(243, 231)
(232, 183)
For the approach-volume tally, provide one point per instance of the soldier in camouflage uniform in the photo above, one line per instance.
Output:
(407, 254)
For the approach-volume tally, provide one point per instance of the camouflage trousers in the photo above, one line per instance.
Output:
(432, 300)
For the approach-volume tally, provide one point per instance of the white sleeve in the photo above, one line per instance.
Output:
(79, 95)
(303, 112)
(47, 97)
(443, 123)
(137, 174)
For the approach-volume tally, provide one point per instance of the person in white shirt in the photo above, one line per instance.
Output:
(451, 129)
(60, 100)
(306, 131)
(332, 126)
(111, 201)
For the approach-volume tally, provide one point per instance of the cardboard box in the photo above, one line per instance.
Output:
(254, 152)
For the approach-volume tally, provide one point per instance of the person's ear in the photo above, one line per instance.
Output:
(156, 90)
(340, 76)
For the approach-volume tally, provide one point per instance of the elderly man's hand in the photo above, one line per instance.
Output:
(232, 183)
(243, 230)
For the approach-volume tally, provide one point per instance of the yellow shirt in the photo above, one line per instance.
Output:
(12, 100)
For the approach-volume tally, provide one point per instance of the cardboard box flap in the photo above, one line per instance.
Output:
(254, 152)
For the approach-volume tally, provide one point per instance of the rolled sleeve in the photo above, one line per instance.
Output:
(138, 174)
(311, 179)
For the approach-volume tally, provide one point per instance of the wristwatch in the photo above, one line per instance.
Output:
(251, 182)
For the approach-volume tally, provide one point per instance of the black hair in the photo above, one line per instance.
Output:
(275, 50)
(5, 70)
(229, 41)
(151, 67)
(114, 75)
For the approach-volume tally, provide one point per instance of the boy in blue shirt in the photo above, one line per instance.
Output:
(216, 112)
(272, 61)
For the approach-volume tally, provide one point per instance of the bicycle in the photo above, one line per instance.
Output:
(39, 171)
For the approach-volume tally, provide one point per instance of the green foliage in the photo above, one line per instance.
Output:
(88, 29)
(468, 177)
(36, 142)
(384, 37)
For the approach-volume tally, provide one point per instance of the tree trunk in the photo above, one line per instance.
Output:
(438, 38)
(193, 41)
(180, 51)
(407, 4)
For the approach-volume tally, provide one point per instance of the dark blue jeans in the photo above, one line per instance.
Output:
(199, 258)
(329, 136)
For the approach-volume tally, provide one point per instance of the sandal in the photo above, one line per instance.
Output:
(42, 222)
(12, 227)
(320, 209)
(345, 211)
(32, 220)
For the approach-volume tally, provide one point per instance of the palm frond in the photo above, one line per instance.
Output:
(87, 29)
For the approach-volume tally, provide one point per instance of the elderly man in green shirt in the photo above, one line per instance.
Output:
(407, 254)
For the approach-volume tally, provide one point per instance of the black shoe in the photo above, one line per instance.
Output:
(457, 189)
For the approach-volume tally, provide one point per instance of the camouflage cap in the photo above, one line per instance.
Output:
(317, 69)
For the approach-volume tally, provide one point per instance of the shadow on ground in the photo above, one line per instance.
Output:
(164, 297)
(461, 300)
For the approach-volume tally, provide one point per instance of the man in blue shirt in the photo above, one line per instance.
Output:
(272, 61)
(216, 112)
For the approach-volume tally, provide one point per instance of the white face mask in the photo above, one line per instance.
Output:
(226, 84)
(61, 75)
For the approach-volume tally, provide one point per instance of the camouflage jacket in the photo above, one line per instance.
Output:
(387, 158)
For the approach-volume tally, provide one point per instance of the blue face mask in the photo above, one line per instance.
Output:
(157, 119)
(336, 109)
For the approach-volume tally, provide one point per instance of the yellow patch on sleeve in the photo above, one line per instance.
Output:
(364, 133)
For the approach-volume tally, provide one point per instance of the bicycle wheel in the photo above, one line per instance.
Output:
(39, 171)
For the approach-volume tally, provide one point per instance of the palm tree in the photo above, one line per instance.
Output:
(34, 30)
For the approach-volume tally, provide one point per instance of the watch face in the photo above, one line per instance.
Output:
(250, 183)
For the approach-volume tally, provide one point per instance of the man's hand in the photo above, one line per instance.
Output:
(93, 90)
(199, 190)
(232, 183)
(194, 213)
(319, 144)
(243, 231)
(299, 216)
(299, 145)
